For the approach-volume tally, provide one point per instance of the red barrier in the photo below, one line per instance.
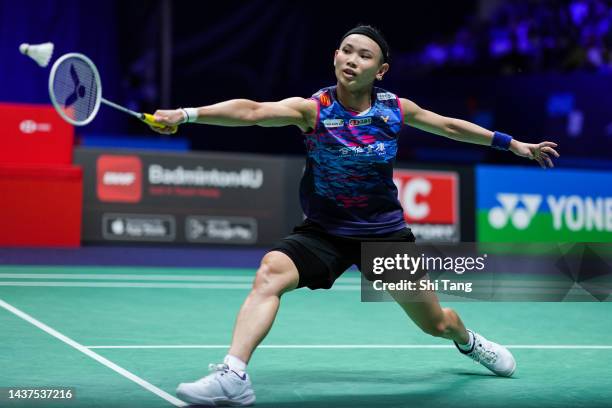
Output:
(40, 206)
(42, 193)
(34, 134)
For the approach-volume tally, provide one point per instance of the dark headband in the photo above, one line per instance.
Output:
(374, 35)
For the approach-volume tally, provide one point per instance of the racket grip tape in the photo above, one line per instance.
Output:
(150, 120)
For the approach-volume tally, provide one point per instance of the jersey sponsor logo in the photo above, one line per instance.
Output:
(376, 148)
(360, 122)
(325, 99)
(333, 123)
(385, 96)
(119, 178)
(430, 200)
(385, 118)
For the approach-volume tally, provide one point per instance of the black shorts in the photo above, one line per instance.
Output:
(321, 257)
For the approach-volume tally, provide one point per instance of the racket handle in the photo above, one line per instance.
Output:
(149, 120)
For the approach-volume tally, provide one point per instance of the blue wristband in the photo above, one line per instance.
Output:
(501, 141)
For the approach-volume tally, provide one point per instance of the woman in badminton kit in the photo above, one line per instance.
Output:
(348, 195)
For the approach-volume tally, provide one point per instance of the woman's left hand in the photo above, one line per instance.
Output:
(543, 152)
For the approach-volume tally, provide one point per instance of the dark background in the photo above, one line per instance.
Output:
(163, 53)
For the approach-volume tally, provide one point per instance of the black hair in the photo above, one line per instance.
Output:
(375, 34)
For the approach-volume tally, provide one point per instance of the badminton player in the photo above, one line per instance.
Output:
(348, 195)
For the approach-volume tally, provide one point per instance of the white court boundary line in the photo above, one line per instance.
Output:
(104, 361)
(122, 277)
(150, 285)
(357, 346)
(136, 277)
(154, 285)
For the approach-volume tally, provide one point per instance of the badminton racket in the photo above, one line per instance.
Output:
(76, 92)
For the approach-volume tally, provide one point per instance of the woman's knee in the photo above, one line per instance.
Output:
(276, 275)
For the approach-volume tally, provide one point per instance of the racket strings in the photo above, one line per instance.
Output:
(75, 89)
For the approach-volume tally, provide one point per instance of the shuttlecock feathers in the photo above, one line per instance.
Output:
(41, 53)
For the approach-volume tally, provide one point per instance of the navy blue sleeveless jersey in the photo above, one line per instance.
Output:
(347, 186)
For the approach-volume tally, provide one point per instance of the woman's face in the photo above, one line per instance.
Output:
(358, 62)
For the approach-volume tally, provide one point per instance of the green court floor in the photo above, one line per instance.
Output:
(326, 349)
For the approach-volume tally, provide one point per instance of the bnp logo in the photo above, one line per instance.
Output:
(518, 209)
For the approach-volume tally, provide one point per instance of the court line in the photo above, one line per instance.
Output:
(245, 286)
(357, 346)
(130, 285)
(104, 361)
(98, 276)
(523, 292)
(240, 286)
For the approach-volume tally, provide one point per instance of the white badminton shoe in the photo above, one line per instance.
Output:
(495, 357)
(223, 387)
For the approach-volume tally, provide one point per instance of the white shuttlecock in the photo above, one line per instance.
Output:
(41, 53)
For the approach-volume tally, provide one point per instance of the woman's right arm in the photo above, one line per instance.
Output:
(243, 112)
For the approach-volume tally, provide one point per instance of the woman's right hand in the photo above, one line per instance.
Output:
(170, 118)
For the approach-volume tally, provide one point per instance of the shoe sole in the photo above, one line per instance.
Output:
(247, 400)
(512, 371)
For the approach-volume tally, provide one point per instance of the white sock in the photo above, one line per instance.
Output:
(235, 363)
(470, 343)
